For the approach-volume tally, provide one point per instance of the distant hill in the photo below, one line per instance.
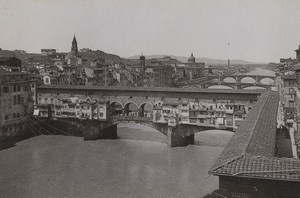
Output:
(90, 55)
(22, 56)
(207, 61)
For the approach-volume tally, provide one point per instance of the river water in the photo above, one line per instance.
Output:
(138, 164)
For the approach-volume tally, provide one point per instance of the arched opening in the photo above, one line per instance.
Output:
(219, 87)
(135, 131)
(214, 137)
(248, 80)
(131, 109)
(267, 81)
(229, 79)
(191, 87)
(254, 87)
(116, 108)
(146, 110)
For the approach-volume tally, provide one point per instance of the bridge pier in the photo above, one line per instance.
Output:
(176, 138)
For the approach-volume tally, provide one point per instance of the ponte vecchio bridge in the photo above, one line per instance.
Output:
(178, 113)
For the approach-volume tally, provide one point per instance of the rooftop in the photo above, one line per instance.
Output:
(251, 151)
(152, 89)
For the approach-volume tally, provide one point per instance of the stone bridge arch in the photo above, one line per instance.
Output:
(253, 87)
(229, 79)
(267, 80)
(248, 79)
(219, 86)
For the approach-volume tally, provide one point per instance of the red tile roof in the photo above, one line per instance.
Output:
(251, 150)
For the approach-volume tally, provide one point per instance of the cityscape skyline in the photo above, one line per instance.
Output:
(209, 29)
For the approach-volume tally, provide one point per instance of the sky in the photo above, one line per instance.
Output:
(252, 30)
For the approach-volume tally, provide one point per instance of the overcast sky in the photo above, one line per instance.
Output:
(253, 30)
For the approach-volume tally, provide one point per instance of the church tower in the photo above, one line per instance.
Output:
(74, 46)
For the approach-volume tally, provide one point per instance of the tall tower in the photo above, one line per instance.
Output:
(74, 46)
(143, 63)
(298, 54)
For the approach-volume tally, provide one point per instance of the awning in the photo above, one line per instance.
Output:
(36, 112)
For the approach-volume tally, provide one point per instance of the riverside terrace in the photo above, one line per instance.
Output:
(248, 166)
(176, 112)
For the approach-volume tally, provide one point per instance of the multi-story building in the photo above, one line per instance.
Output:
(290, 86)
(16, 102)
(162, 76)
(11, 64)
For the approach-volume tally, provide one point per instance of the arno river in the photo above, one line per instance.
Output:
(138, 164)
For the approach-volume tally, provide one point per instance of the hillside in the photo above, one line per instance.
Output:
(90, 55)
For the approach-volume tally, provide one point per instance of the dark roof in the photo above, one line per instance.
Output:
(251, 150)
(156, 89)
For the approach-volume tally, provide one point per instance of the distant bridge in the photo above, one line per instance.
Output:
(234, 81)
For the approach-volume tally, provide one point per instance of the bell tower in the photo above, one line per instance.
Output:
(74, 46)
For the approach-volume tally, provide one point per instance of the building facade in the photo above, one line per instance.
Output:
(16, 102)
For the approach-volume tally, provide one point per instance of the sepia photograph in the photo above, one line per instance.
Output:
(149, 99)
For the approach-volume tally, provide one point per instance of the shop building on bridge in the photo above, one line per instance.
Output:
(211, 108)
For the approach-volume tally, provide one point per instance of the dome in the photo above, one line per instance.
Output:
(192, 59)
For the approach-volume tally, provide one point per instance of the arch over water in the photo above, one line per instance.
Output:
(219, 87)
(191, 86)
(254, 87)
(229, 79)
(248, 80)
(131, 109)
(267, 81)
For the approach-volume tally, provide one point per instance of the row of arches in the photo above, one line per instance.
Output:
(266, 80)
(132, 109)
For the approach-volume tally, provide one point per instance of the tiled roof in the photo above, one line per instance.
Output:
(251, 150)
(262, 167)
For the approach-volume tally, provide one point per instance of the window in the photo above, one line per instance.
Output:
(18, 87)
(5, 89)
(291, 104)
(291, 82)
(18, 115)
